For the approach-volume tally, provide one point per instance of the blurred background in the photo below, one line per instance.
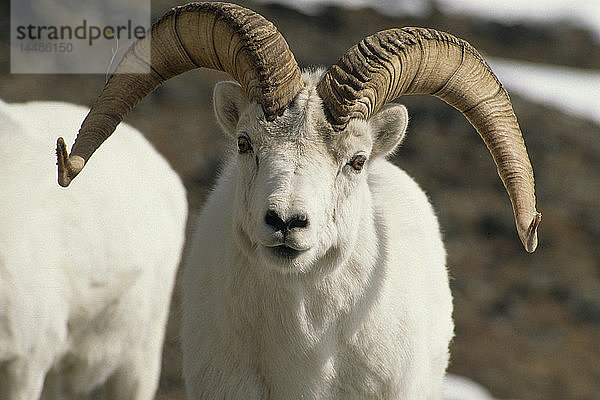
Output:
(527, 325)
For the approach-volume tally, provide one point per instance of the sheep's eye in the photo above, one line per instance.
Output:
(244, 145)
(358, 162)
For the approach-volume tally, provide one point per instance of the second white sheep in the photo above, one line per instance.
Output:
(86, 275)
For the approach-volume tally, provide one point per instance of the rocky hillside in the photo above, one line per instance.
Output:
(527, 326)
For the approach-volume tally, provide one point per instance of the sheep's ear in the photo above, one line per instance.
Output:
(229, 102)
(388, 126)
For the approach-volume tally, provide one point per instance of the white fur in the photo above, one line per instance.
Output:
(363, 312)
(86, 274)
(460, 388)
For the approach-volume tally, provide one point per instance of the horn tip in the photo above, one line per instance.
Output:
(68, 166)
(529, 236)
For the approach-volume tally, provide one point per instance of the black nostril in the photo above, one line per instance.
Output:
(274, 220)
(298, 221)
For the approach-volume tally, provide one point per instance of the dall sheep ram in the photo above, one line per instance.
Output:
(317, 270)
(86, 275)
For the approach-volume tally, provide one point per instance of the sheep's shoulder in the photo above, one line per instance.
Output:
(418, 278)
(401, 202)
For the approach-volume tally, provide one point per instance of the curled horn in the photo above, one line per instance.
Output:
(395, 62)
(220, 36)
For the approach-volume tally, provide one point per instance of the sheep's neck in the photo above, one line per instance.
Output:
(301, 313)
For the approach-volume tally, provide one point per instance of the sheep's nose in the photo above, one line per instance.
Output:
(276, 222)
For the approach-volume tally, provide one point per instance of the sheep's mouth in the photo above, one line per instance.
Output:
(285, 251)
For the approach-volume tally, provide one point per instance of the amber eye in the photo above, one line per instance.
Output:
(358, 162)
(244, 145)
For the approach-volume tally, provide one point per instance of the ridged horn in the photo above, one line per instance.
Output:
(403, 61)
(220, 36)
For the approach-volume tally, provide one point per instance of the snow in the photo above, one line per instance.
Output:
(585, 13)
(389, 7)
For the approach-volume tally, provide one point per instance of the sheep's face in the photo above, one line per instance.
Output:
(302, 189)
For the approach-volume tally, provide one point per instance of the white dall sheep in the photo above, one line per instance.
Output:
(85, 275)
(317, 270)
